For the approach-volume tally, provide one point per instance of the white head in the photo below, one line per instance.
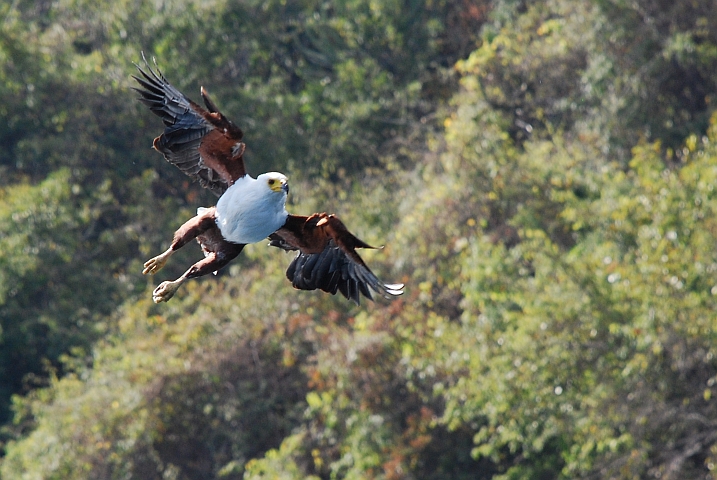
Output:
(252, 209)
(276, 182)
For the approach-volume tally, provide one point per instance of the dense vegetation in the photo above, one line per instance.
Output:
(541, 173)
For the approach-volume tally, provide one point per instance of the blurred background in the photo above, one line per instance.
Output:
(542, 177)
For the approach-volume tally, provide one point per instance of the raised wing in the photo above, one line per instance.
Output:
(327, 258)
(203, 144)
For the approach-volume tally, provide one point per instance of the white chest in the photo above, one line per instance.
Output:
(248, 212)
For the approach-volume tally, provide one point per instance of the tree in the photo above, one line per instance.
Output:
(554, 228)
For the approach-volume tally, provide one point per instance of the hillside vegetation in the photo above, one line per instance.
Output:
(542, 175)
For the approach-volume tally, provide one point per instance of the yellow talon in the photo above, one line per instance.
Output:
(155, 264)
(165, 291)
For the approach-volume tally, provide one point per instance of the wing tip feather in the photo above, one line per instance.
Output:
(322, 271)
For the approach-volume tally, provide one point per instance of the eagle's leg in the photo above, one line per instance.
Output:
(153, 265)
(166, 290)
(187, 232)
(218, 253)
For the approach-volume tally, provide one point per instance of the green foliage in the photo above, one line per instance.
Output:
(612, 72)
(541, 173)
(279, 464)
(158, 401)
(573, 345)
(51, 263)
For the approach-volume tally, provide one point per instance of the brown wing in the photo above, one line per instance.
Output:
(203, 144)
(327, 258)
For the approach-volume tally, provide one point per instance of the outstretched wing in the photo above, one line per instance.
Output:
(203, 144)
(327, 258)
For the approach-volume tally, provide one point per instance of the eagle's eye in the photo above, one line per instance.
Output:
(272, 181)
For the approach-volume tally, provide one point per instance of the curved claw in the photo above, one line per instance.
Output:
(165, 291)
(155, 264)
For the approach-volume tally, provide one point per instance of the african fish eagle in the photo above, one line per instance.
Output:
(207, 146)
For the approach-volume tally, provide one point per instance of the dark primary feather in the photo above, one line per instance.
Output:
(185, 127)
(332, 271)
(207, 146)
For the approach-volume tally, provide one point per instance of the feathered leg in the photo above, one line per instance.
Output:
(218, 253)
(187, 232)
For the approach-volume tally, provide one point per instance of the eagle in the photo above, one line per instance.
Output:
(208, 147)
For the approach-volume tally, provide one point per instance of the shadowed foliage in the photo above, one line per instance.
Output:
(540, 174)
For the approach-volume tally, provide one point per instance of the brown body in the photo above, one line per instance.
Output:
(207, 146)
(217, 251)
